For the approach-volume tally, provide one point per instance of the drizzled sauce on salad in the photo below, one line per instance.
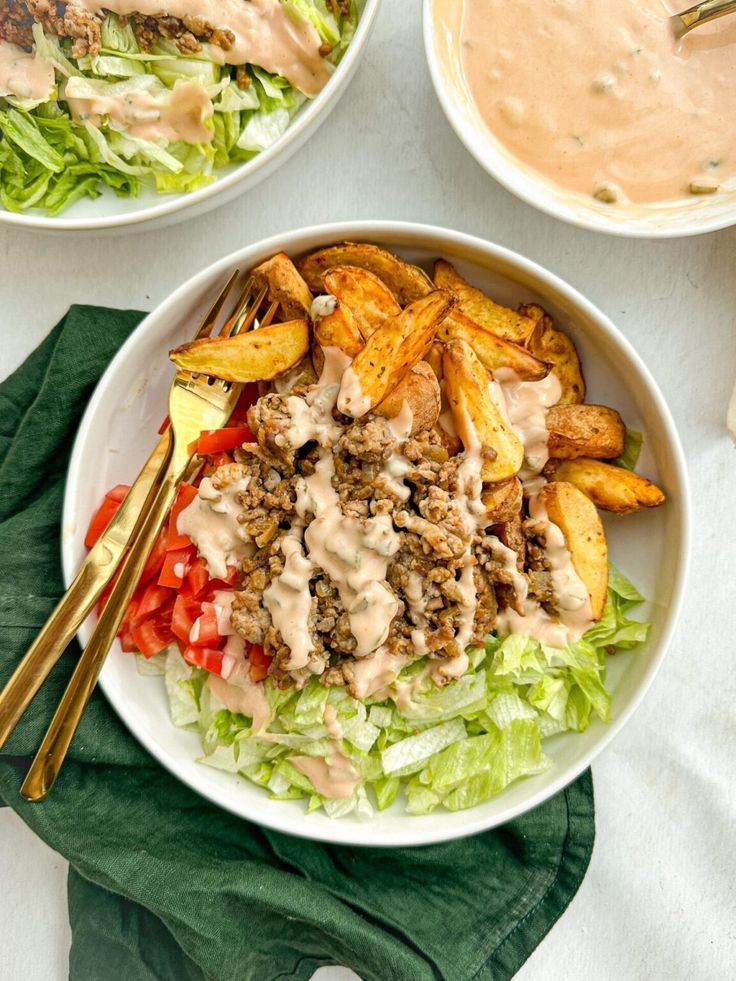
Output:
(598, 95)
(24, 75)
(264, 33)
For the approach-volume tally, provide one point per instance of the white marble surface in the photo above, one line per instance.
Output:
(659, 898)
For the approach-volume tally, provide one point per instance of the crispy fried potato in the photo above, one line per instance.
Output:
(420, 391)
(474, 303)
(408, 283)
(390, 352)
(258, 355)
(609, 487)
(368, 298)
(285, 286)
(503, 500)
(433, 357)
(585, 430)
(493, 351)
(476, 416)
(576, 517)
(335, 329)
(556, 348)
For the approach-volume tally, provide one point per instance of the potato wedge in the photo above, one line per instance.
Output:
(576, 517)
(476, 416)
(390, 352)
(474, 303)
(408, 283)
(366, 296)
(503, 500)
(335, 329)
(419, 390)
(285, 286)
(585, 430)
(493, 351)
(433, 357)
(555, 347)
(609, 488)
(258, 355)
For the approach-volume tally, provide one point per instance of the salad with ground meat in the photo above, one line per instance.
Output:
(128, 94)
(383, 582)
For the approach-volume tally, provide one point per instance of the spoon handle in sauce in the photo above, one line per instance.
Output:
(701, 13)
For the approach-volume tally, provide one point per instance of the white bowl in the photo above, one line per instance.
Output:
(127, 214)
(119, 428)
(693, 215)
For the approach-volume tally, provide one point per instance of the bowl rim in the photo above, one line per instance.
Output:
(348, 833)
(548, 204)
(301, 127)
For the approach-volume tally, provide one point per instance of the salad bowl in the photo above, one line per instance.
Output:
(120, 426)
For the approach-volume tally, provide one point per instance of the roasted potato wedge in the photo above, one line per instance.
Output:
(335, 329)
(420, 391)
(474, 303)
(493, 351)
(390, 352)
(285, 286)
(585, 430)
(576, 517)
(476, 416)
(609, 488)
(408, 283)
(258, 355)
(554, 346)
(503, 500)
(366, 296)
(433, 357)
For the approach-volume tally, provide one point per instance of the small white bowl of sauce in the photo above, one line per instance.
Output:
(592, 110)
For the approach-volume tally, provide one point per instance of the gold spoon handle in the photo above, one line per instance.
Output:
(701, 13)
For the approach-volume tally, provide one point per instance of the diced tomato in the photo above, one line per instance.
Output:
(153, 599)
(164, 426)
(184, 497)
(105, 513)
(205, 632)
(185, 612)
(175, 567)
(259, 662)
(198, 575)
(218, 440)
(156, 558)
(150, 636)
(127, 643)
(248, 397)
(208, 658)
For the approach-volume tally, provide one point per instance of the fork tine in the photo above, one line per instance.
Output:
(210, 318)
(269, 314)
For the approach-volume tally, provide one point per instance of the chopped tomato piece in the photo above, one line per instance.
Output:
(185, 612)
(259, 662)
(164, 426)
(248, 397)
(205, 632)
(175, 567)
(153, 599)
(156, 558)
(258, 672)
(208, 658)
(218, 440)
(198, 575)
(105, 512)
(150, 636)
(184, 497)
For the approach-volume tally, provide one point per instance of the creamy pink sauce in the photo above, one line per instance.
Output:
(181, 116)
(24, 75)
(598, 95)
(265, 34)
(333, 776)
(211, 521)
(241, 695)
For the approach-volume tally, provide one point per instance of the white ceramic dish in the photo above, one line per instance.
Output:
(692, 216)
(119, 429)
(128, 214)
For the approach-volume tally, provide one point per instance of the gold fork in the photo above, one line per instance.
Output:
(196, 403)
(95, 572)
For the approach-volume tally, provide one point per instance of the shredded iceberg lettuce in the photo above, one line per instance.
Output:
(50, 156)
(450, 747)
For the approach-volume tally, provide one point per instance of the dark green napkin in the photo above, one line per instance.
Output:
(163, 885)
